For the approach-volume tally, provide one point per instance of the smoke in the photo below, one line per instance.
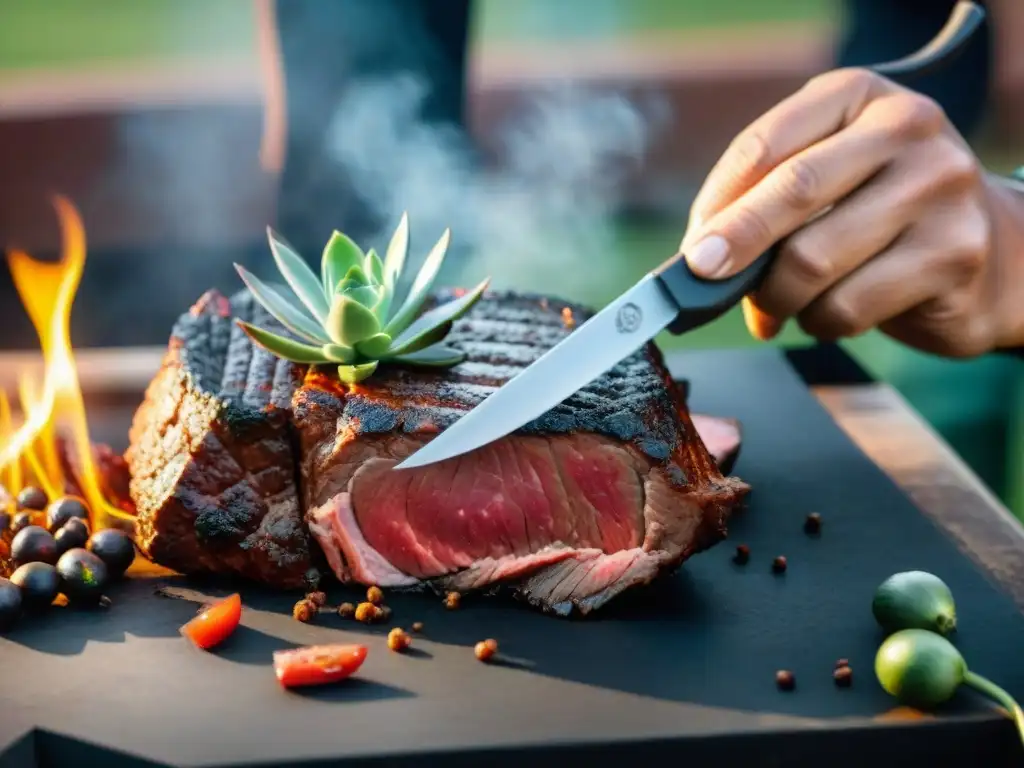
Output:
(544, 210)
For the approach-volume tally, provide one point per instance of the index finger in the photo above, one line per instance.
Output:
(822, 107)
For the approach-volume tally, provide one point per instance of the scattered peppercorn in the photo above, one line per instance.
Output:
(742, 556)
(383, 612)
(843, 677)
(486, 649)
(304, 611)
(319, 599)
(346, 610)
(375, 595)
(452, 600)
(367, 612)
(785, 680)
(417, 626)
(105, 602)
(779, 564)
(5, 520)
(812, 524)
(841, 663)
(398, 640)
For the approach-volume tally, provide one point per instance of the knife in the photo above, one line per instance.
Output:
(670, 297)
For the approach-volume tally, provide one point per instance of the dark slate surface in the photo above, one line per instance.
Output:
(684, 672)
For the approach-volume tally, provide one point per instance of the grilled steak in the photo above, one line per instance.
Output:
(602, 493)
(211, 454)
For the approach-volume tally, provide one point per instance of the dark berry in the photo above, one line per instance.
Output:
(10, 604)
(39, 585)
(779, 564)
(5, 521)
(70, 537)
(32, 498)
(62, 510)
(113, 547)
(34, 544)
(83, 575)
(812, 524)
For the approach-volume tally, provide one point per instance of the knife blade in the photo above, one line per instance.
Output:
(670, 297)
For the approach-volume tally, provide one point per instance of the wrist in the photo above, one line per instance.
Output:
(1006, 201)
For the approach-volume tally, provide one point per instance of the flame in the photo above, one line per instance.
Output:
(29, 453)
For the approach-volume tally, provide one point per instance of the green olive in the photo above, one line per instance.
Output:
(919, 667)
(914, 600)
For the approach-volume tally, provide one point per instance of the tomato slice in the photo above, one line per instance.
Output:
(317, 664)
(214, 625)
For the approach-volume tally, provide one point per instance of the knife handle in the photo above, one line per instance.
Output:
(701, 300)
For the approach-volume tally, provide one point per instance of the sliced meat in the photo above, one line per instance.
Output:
(212, 454)
(604, 492)
(722, 437)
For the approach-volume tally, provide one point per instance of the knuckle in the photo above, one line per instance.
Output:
(844, 318)
(959, 169)
(750, 152)
(915, 115)
(854, 80)
(806, 260)
(799, 184)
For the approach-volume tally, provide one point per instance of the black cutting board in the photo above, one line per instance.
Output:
(683, 672)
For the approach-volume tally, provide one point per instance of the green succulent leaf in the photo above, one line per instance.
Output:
(299, 276)
(398, 249)
(355, 275)
(294, 318)
(282, 347)
(349, 321)
(420, 287)
(367, 295)
(353, 374)
(438, 356)
(340, 255)
(374, 267)
(374, 347)
(433, 325)
(338, 353)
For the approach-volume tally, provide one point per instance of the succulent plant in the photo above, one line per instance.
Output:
(345, 317)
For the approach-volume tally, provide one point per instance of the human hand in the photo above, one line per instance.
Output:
(883, 214)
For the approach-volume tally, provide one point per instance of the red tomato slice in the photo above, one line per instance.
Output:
(317, 664)
(214, 625)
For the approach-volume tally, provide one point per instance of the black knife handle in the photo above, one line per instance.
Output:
(701, 300)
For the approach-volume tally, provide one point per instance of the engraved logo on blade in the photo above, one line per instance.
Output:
(629, 318)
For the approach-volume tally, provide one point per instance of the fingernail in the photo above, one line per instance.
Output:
(709, 256)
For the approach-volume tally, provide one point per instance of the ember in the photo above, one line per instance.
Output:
(47, 446)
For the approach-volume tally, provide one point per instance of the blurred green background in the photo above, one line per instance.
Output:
(978, 406)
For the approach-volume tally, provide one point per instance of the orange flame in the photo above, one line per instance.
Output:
(29, 454)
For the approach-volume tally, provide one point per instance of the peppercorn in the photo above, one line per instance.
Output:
(843, 676)
(841, 663)
(398, 640)
(742, 556)
(105, 602)
(383, 612)
(319, 599)
(779, 564)
(367, 612)
(21, 520)
(812, 524)
(304, 611)
(375, 595)
(417, 626)
(785, 680)
(346, 610)
(486, 649)
(452, 600)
